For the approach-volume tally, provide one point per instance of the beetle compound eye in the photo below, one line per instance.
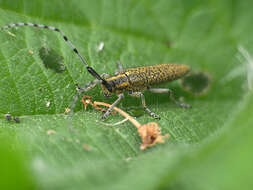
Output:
(105, 90)
(109, 87)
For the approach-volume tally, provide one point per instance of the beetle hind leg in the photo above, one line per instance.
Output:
(168, 91)
(140, 95)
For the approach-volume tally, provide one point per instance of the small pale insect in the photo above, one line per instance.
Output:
(48, 104)
(133, 81)
(101, 46)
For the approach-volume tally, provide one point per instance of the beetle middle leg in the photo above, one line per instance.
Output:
(107, 113)
(140, 95)
(168, 91)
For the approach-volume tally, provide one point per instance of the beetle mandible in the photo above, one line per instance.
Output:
(133, 81)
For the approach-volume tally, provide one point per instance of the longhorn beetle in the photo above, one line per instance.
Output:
(134, 81)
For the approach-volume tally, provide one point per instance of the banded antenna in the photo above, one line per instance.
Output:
(90, 69)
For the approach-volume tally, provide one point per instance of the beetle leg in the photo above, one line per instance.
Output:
(80, 90)
(90, 85)
(140, 95)
(107, 113)
(166, 90)
(120, 68)
(87, 86)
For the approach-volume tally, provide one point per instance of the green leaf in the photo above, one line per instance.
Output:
(210, 143)
(14, 167)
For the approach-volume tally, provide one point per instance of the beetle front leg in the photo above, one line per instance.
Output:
(140, 95)
(80, 90)
(168, 91)
(107, 113)
(87, 87)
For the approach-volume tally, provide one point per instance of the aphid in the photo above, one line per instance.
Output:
(133, 81)
(16, 119)
(8, 117)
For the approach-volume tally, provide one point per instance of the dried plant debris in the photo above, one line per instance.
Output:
(86, 100)
(67, 111)
(150, 133)
(197, 83)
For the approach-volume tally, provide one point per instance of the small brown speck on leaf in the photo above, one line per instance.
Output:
(86, 147)
(51, 132)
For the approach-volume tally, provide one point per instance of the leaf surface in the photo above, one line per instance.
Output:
(202, 34)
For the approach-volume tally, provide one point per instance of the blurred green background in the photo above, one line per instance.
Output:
(210, 144)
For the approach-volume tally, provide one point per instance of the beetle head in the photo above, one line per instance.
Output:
(107, 87)
(107, 91)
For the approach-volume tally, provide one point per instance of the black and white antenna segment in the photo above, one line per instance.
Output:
(90, 70)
